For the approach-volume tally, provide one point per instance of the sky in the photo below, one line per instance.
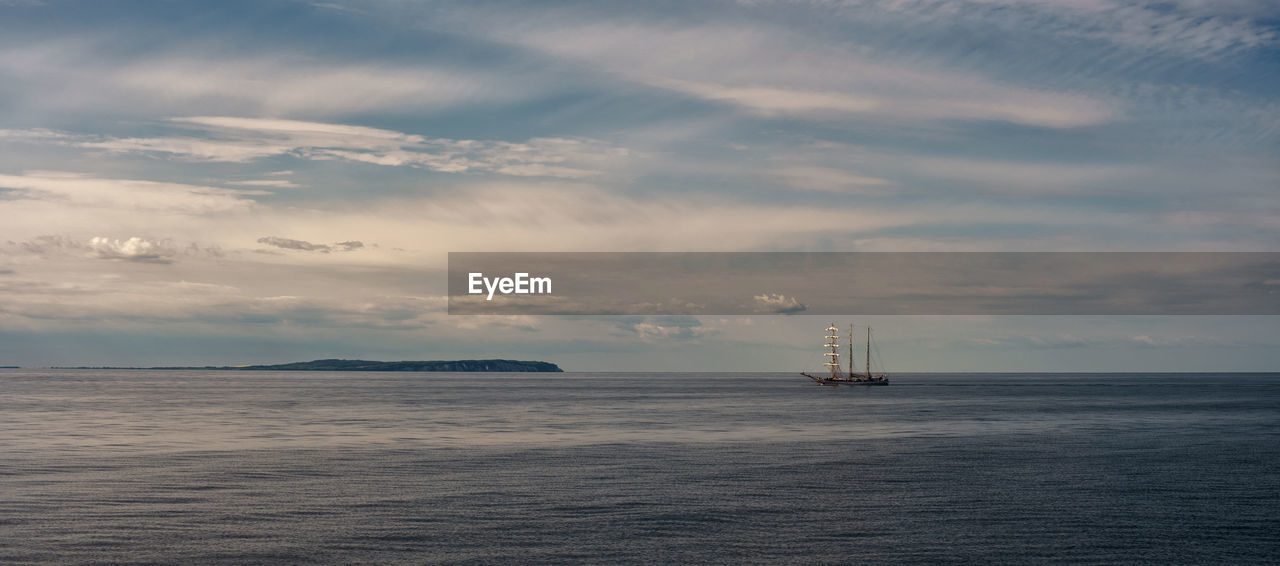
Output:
(272, 181)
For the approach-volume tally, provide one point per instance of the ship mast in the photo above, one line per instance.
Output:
(869, 351)
(833, 361)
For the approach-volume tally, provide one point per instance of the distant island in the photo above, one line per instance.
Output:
(366, 365)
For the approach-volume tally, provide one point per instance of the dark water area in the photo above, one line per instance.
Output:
(171, 467)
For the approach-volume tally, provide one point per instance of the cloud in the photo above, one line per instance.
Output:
(166, 302)
(1022, 177)
(522, 215)
(1181, 28)
(81, 73)
(830, 179)
(921, 96)
(279, 183)
(986, 342)
(1062, 340)
(515, 215)
(241, 140)
(133, 249)
(314, 133)
(295, 85)
(1067, 340)
(1194, 31)
(777, 304)
(41, 135)
(775, 71)
(1147, 341)
(661, 328)
(233, 139)
(290, 244)
(515, 322)
(137, 196)
(47, 245)
(1144, 339)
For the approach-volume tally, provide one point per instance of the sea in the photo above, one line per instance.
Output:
(223, 467)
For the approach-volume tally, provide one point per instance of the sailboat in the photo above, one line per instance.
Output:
(833, 363)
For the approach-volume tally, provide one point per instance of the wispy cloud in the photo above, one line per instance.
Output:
(240, 140)
(1025, 177)
(180, 301)
(1067, 340)
(78, 190)
(662, 328)
(773, 71)
(82, 73)
(1186, 28)
(831, 179)
(917, 101)
(301, 245)
(273, 183)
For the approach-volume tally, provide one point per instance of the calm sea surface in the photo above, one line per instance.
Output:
(183, 467)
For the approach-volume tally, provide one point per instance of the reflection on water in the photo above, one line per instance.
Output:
(161, 411)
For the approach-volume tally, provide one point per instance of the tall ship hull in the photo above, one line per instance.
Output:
(835, 376)
(832, 381)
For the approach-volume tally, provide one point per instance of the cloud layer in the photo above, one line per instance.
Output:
(240, 140)
(173, 170)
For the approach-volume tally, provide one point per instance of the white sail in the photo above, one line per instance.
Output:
(833, 363)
